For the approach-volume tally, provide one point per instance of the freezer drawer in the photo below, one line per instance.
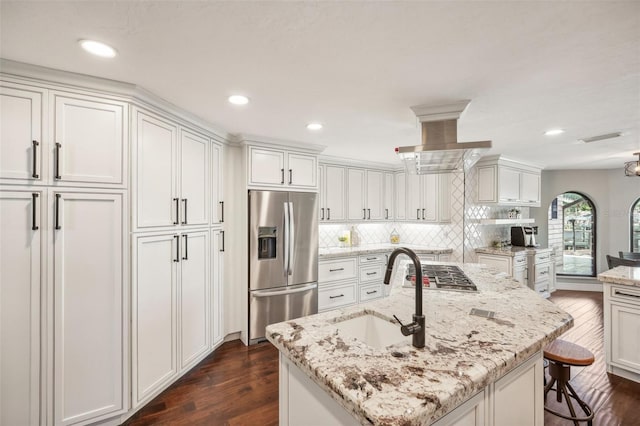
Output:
(280, 304)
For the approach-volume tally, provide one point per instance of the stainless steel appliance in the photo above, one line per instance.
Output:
(443, 277)
(283, 258)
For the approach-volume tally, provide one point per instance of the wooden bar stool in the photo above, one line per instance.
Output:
(562, 355)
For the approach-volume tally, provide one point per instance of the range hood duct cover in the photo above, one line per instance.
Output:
(440, 151)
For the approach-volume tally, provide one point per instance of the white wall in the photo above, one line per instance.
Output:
(613, 195)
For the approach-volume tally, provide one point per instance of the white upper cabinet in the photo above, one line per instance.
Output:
(22, 156)
(356, 187)
(506, 182)
(171, 174)
(388, 205)
(217, 184)
(333, 182)
(194, 178)
(282, 168)
(428, 198)
(375, 195)
(155, 172)
(400, 196)
(89, 140)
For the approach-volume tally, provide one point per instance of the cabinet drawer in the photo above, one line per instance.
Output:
(501, 263)
(337, 270)
(334, 297)
(542, 257)
(373, 258)
(542, 272)
(371, 273)
(371, 292)
(627, 294)
(428, 257)
(519, 261)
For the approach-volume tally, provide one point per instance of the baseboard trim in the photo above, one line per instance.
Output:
(578, 284)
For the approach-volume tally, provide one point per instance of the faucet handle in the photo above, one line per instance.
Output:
(407, 330)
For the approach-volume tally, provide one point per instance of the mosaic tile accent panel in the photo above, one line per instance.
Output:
(449, 235)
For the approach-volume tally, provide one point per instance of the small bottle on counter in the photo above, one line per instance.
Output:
(394, 237)
(355, 238)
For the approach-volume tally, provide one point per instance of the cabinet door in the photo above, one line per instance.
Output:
(217, 294)
(501, 263)
(509, 184)
(388, 204)
(335, 185)
(430, 195)
(90, 140)
(89, 283)
(625, 336)
(194, 295)
(155, 260)
(414, 204)
(375, 195)
(518, 396)
(21, 144)
(302, 170)
(322, 196)
(155, 179)
(194, 179)
(266, 167)
(487, 184)
(356, 191)
(217, 185)
(444, 197)
(20, 303)
(400, 198)
(530, 188)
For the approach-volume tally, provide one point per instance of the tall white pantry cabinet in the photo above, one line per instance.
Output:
(101, 305)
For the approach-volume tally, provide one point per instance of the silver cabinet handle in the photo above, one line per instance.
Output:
(620, 293)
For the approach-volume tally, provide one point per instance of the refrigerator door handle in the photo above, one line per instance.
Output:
(292, 239)
(268, 293)
(287, 249)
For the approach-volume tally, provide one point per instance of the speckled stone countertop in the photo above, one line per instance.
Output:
(625, 275)
(333, 252)
(511, 250)
(402, 385)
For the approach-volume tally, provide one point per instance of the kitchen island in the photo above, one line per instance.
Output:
(621, 286)
(329, 377)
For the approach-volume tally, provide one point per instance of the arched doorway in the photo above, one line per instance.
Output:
(635, 226)
(572, 233)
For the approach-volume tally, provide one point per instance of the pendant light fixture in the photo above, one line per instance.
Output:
(632, 168)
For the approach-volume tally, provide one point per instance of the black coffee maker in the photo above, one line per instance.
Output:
(523, 236)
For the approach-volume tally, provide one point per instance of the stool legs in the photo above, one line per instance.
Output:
(560, 375)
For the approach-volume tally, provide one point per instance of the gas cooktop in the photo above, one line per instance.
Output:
(444, 277)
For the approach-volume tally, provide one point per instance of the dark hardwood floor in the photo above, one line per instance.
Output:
(238, 385)
(615, 401)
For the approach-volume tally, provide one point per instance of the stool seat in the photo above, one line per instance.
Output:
(568, 353)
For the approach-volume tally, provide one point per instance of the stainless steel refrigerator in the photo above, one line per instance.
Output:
(283, 258)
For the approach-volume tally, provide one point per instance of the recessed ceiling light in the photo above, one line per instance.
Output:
(314, 126)
(553, 132)
(238, 100)
(97, 48)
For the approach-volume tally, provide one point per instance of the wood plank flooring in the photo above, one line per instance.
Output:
(238, 385)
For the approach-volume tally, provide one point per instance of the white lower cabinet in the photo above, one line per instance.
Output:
(63, 349)
(22, 226)
(622, 330)
(517, 398)
(89, 338)
(172, 293)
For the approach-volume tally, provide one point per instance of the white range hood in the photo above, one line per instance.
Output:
(440, 151)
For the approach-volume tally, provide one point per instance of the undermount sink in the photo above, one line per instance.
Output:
(372, 330)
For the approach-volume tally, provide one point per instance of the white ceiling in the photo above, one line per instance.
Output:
(357, 67)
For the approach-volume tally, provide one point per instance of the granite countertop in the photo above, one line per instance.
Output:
(402, 385)
(331, 252)
(511, 250)
(625, 275)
